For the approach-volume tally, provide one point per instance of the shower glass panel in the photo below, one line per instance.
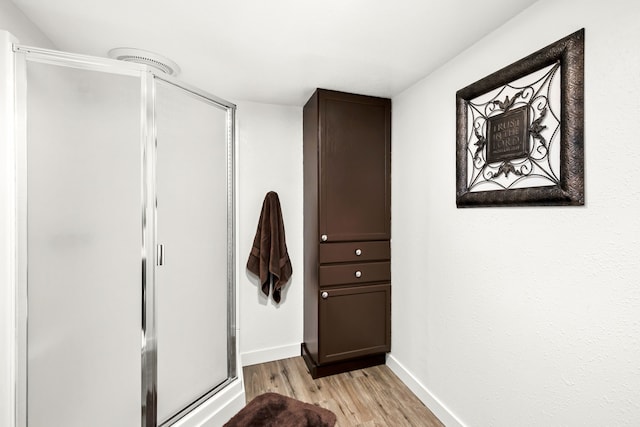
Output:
(126, 288)
(192, 223)
(83, 226)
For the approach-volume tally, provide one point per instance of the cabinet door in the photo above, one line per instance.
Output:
(354, 321)
(355, 163)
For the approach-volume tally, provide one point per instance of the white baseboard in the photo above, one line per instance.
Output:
(443, 413)
(217, 410)
(270, 354)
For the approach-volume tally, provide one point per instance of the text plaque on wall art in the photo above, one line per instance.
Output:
(520, 131)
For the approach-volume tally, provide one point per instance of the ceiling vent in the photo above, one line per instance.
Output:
(153, 60)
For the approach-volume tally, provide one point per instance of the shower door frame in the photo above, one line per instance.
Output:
(231, 313)
(149, 244)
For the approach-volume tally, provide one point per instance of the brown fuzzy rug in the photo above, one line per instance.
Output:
(273, 409)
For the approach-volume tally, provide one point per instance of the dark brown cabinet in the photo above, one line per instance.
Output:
(347, 231)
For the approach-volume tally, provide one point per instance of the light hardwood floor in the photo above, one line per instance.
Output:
(366, 397)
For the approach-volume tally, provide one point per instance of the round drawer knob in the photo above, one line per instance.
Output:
(324, 237)
(324, 295)
(358, 274)
(358, 252)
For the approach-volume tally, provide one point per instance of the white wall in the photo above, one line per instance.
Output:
(14, 21)
(269, 158)
(523, 316)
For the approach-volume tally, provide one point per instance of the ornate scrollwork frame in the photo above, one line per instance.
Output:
(507, 170)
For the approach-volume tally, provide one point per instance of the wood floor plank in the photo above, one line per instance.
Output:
(371, 397)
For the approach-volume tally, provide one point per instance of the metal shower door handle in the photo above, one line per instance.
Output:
(160, 255)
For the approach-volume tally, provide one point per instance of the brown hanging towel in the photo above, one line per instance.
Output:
(269, 258)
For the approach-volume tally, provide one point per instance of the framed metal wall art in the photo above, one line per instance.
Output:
(520, 131)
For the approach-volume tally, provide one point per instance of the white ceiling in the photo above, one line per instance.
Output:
(279, 51)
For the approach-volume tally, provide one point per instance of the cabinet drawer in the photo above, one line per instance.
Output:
(354, 251)
(354, 321)
(355, 273)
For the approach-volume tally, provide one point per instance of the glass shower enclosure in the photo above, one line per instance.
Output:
(125, 236)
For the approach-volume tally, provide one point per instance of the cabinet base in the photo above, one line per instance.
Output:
(318, 371)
